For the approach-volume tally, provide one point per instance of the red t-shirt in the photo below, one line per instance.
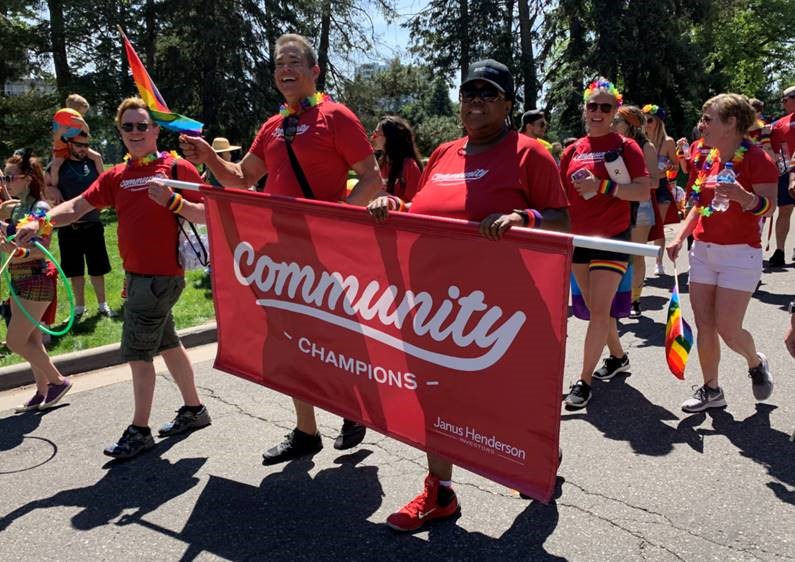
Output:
(601, 215)
(516, 173)
(147, 231)
(735, 226)
(329, 139)
(783, 131)
(409, 180)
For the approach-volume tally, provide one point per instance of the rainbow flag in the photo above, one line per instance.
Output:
(160, 112)
(678, 335)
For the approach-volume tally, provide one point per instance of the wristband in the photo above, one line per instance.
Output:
(608, 187)
(760, 207)
(398, 203)
(175, 203)
(530, 217)
(21, 253)
(180, 204)
(171, 200)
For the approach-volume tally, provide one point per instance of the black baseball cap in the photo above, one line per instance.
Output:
(493, 72)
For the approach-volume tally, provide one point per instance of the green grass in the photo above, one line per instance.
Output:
(194, 307)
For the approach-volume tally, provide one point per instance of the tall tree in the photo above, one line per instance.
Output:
(58, 40)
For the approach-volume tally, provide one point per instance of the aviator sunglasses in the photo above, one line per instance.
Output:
(128, 127)
(603, 107)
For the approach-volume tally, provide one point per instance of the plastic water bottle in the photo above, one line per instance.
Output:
(726, 175)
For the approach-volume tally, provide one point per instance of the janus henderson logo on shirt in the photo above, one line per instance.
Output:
(483, 333)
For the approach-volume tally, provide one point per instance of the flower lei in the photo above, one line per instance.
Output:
(149, 158)
(38, 216)
(315, 99)
(709, 163)
(653, 109)
(602, 84)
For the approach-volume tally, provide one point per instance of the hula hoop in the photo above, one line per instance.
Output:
(70, 295)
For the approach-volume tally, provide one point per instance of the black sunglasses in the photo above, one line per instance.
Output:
(290, 127)
(11, 177)
(80, 144)
(487, 93)
(603, 107)
(128, 127)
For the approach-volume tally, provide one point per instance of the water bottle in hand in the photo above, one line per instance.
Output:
(726, 175)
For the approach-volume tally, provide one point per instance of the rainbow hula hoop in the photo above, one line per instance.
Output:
(69, 293)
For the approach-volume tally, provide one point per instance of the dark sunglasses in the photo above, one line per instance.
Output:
(487, 93)
(128, 127)
(603, 107)
(290, 127)
(785, 98)
(80, 144)
(649, 120)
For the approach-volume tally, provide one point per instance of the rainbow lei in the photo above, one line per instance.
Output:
(315, 99)
(695, 195)
(601, 84)
(149, 158)
(40, 217)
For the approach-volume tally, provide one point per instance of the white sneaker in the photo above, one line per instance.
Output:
(659, 269)
(105, 310)
(704, 398)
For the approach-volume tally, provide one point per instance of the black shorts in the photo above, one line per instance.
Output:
(587, 255)
(83, 244)
(663, 192)
(784, 198)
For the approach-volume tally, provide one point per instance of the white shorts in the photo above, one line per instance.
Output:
(731, 266)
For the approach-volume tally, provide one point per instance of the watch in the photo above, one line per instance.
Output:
(791, 307)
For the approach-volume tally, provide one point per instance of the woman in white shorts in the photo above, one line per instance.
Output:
(726, 257)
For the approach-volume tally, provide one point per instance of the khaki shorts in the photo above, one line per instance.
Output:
(148, 325)
(731, 266)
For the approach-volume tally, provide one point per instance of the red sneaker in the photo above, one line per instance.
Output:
(424, 508)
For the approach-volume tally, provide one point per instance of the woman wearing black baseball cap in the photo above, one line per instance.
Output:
(498, 178)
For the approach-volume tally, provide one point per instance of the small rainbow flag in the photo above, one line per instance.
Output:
(160, 112)
(678, 335)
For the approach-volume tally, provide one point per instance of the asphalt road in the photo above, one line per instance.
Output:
(640, 479)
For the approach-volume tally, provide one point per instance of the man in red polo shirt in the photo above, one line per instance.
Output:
(327, 140)
(782, 141)
(148, 232)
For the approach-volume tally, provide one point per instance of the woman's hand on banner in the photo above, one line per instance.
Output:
(494, 226)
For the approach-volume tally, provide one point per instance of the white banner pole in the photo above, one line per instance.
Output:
(591, 242)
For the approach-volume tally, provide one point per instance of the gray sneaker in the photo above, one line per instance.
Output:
(704, 398)
(185, 421)
(761, 379)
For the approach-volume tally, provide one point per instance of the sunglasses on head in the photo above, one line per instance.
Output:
(128, 127)
(603, 107)
(486, 93)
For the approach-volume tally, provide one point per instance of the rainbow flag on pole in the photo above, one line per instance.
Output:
(160, 112)
(678, 335)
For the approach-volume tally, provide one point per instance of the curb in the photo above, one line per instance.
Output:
(95, 358)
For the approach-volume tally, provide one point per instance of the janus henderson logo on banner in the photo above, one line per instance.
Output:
(341, 300)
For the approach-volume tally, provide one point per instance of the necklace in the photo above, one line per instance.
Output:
(706, 171)
(149, 158)
(315, 99)
(75, 170)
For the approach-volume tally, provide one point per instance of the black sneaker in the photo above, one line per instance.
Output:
(611, 366)
(296, 444)
(351, 434)
(132, 442)
(579, 395)
(777, 259)
(635, 311)
(186, 420)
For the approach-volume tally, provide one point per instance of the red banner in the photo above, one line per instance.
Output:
(418, 327)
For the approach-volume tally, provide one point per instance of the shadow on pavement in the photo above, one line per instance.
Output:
(144, 483)
(638, 421)
(294, 516)
(756, 440)
(15, 428)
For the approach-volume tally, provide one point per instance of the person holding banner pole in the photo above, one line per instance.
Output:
(726, 257)
(147, 234)
(600, 199)
(306, 150)
(494, 176)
